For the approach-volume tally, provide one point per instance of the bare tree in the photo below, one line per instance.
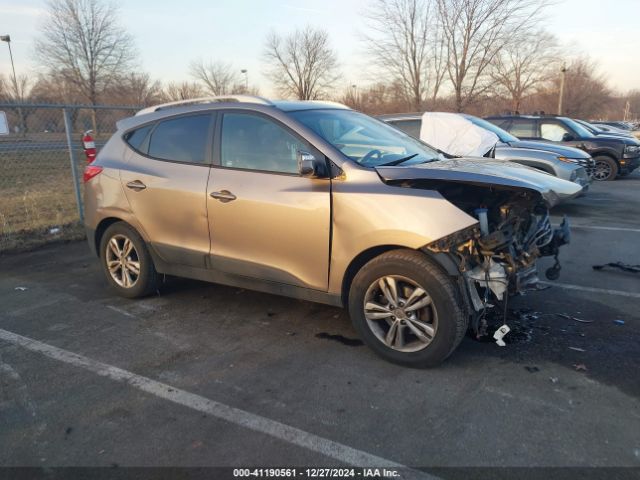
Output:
(586, 92)
(301, 64)
(218, 78)
(405, 43)
(82, 42)
(474, 32)
(524, 65)
(182, 91)
(136, 89)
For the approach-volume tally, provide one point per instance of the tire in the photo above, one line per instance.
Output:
(606, 168)
(140, 285)
(445, 315)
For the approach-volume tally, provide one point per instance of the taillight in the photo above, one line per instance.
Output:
(90, 171)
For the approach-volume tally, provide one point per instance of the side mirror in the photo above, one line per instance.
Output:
(567, 137)
(309, 166)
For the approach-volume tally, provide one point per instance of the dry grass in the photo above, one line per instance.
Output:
(36, 196)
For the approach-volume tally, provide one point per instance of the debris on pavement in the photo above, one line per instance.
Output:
(575, 319)
(580, 367)
(618, 322)
(625, 267)
(21, 289)
(499, 334)
(553, 379)
(532, 369)
(54, 230)
(577, 349)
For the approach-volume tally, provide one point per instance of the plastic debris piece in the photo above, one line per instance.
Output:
(22, 289)
(553, 379)
(575, 319)
(577, 349)
(500, 333)
(580, 367)
(619, 322)
(54, 230)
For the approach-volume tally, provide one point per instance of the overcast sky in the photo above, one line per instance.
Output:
(169, 34)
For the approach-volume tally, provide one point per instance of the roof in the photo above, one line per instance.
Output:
(284, 105)
(295, 105)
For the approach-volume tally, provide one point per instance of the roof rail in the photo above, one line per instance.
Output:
(200, 100)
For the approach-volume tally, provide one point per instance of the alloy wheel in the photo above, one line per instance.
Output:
(123, 261)
(400, 313)
(603, 171)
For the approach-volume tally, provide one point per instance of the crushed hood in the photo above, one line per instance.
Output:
(484, 172)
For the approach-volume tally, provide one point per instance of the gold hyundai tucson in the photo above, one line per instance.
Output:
(315, 201)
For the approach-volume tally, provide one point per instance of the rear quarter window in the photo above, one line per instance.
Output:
(136, 138)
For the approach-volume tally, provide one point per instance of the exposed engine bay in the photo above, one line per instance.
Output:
(497, 258)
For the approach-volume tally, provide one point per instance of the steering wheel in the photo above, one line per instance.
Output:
(369, 156)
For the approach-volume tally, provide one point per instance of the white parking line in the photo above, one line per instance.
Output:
(615, 229)
(569, 286)
(286, 433)
(121, 311)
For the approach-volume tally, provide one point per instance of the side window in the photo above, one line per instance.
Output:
(182, 139)
(501, 122)
(552, 131)
(257, 143)
(136, 138)
(522, 127)
(410, 127)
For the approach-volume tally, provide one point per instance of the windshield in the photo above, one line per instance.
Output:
(588, 126)
(365, 140)
(579, 129)
(503, 135)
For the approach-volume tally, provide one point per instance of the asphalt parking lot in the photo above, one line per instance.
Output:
(205, 375)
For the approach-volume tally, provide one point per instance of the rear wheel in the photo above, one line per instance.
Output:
(406, 309)
(606, 168)
(126, 262)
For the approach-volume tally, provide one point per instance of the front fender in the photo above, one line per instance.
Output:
(370, 214)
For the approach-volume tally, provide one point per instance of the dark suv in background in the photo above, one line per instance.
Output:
(613, 155)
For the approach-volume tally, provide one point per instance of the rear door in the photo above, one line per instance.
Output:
(266, 221)
(165, 182)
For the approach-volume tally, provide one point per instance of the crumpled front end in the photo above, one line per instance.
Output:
(497, 257)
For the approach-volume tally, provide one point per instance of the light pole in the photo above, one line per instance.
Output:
(246, 79)
(7, 38)
(563, 72)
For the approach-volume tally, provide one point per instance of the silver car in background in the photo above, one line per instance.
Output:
(567, 163)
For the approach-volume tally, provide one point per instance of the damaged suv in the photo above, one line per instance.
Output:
(315, 201)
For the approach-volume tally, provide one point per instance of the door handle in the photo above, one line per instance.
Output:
(224, 196)
(136, 185)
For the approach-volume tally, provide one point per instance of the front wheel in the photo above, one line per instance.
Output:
(406, 309)
(126, 262)
(606, 169)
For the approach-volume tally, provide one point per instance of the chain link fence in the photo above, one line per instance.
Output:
(41, 165)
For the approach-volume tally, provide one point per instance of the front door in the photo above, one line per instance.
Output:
(266, 221)
(165, 182)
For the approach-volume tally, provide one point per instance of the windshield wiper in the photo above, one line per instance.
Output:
(398, 161)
